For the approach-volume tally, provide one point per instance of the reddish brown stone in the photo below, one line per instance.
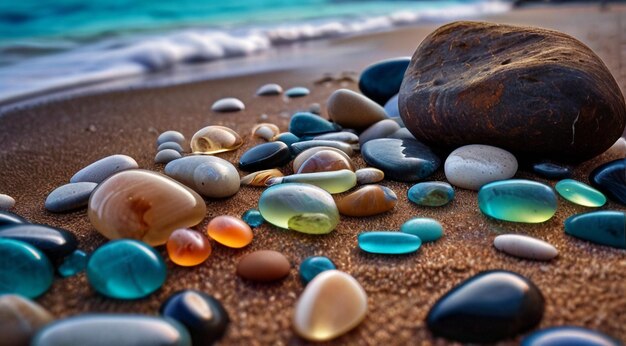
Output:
(531, 91)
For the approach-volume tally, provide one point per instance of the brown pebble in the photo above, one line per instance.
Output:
(326, 161)
(264, 266)
(367, 201)
(20, 319)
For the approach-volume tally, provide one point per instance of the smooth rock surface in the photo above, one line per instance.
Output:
(98, 171)
(229, 104)
(188, 248)
(618, 148)
(352, 110)
(144, 205)
(610, 178)
(380, 129)
(269, 90)
(333, 181)
(230, 231)
(265, 156)
(170, 136)
(367, 201)
(263, 266)
(478, 82)
(287, 138)
(518, 200)
(488, 307)
(325, 161)
(215, 139)
(472, 166)
(427, 229)
(525, 247)
(389, 243)
(381, 80)
(605, 227)
(7, 218)
(431, 193)
(166, 155)
(171, 145)
(580, 193)
(305, 155)
(369, 175)
(21, 319)
(266, 131)
(402, 133)
(313, 266)
(343, 136)
(56, 243)
(69, 197)
(24, 270)
(113, 329)
(299, 147)
(210, 176)
(297, 92)
(332, 304)
(6, 202)
(401, 159)
(551, 170)
(73, 264)
(391, 107)
(568, 336)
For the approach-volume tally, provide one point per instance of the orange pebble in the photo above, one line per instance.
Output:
(188, 248)
(230, 231)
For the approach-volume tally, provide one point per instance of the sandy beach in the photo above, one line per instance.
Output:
(44, 145)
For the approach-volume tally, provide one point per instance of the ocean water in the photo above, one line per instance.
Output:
(55, 44)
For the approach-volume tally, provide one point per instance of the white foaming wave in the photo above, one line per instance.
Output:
(118, 58)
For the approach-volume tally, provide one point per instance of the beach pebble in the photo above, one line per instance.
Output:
(202, 315)
(230, 231)
(402, 133)
(166, 155)
(401, 159)
(389, 243)
(525, 247)
(98, 171)
(343, 136)
(431, 193)
(568, 335)
(580, 193)
(299, 147)
(297, 92)
(56, 243)
(253, 218)
(472, 166)
(391, 107)
(309, 124)
(618, 148)
(367, 201)
(215, 139)
(24, 270)
(265, 156)
(21, 319)
(144, 205)
(369, 175)
(113, 329)
(260, 178)
(349, 109)
(263, 266)
(69, 197)
(517, 200)
(325, 161)
(269, 90)
(171, 136)
(427, 229)
(313, 266)
(305, 155)
(7, 218)
(287, 138)
(610, 178)
(210, 176)
(172, 146)
(315, 108)
(6, 202)
(331, 181)
(229, 104)
(551, 171)
(486, 308)
(332, 304)
(266, 131)
(381, 129)
(605, 227)
(381, 80)
(188, 248)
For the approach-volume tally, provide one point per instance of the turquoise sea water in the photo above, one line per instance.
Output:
(52, 44)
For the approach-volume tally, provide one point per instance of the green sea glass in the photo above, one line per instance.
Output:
(517, 200)
(580, 193)
(333, 181)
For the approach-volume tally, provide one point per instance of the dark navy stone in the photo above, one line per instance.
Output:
(56, 243)
(7, 218)
(487, 307)
(568, 336)
(265, 156)
(401, 159)
(287, 138)
(382, 80)
(314, 265)
(204, 316)
(605, 227)
(551, 170)
(308, 124)
(610, 178)
(391, 107)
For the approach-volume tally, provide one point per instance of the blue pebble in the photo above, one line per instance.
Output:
(568, 336)
(401, 159)
(610, 178)
(605, 227)
(382, 80)
(431, 193)
(551, 170)
(7, 219)
(427, 229)
(391, 107)
(73, 264)
(312, 266)
(24, 269)
(288, 138)
(253, 218)
(389, 243)
(309, 124)
(297, 92)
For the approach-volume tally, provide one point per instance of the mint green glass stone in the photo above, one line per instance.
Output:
(73, 264)
(605, 227)
(517, 200)
(307, 208)
(24, 270)
(389, 243)
(333, 181)
(126, 269)
(580, 193)
(425, 228)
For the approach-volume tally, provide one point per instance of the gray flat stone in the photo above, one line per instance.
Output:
(69, 197)
(171, 136)
(208, 175)
(166, 156)
(171, 145)
(98, 171)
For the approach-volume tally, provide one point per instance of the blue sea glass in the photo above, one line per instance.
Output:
(73, 264)
(428, 230)
(312, 266)
(605, 227)
(389, 243)
(517, 200)
(309, 124)
(253, 218)
(24, 270)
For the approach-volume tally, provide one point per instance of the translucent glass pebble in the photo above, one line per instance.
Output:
(333, 181)
(517, 200)
(605, 227)
(431, 193)
(314, 265)
(367, 201)
(188, 248)
(253, 218)
(24, 270)
(389, 243)
(73, 264)
(426, 229)
(230, 231)
(284, 202)
(326, 161)
(126, 269)
(580, 193)
(215, 139)
(266, 131)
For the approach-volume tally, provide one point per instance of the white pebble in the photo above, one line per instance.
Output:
(229, 104)
(166, 155)
(525, 247)
(472, 166)
(269, 89)
(208, 175)
(6, 202)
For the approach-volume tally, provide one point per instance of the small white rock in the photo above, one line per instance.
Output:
(171, 136)
(525, 247)
(98, 171)
(171, 145)
(166, 155)
(210, 176)
(229, 104)
(6, 202)
(269, 89)
(472, 166)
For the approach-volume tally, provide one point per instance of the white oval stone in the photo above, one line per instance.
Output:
(170, 145)
(171, 136)
(166, 156)
(269, 89)
(210, 176)
(98, 171)
(69, 197)
(475, 165)
(332, 304)
(369, 175)
(6, 202)
(229, 104)
(525, 247)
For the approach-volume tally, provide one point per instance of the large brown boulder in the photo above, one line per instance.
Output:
(535, 92)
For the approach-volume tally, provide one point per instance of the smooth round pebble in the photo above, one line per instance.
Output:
(517, 200)
(210, 176)
(269, 90)
(367, 201)
(229, 104)
(98, 171)
(313, 266)
(326, 161)
(266, 131)
(215, 139)
(69, 197)
(401, 159)
(170, 145)
(381, 129)
(7, 218)
(369, 175)
(265, 156)
(472, 166)
(389, 243)
(381, 80)
(188, 248)
(431, 193)
(263, 266)
(297, 92)
(332, 304)
(332, 181)
(353, 110)
(309, 124)
(342, 136)
(305, 155)
(287, 138)
(229, 231)
(126, 269)
(21, 319)
(300, 147)
(24, 270)
(610, 178)
(580, 193)
(568, 336)
(551, 170)
(166, 155)
(427, 229)
(6, 202)
(525, 247)
(253, 218)
(391, 107)
(604, 227)
(73, 264)
(171, 136)
(618, 148)
(56, 243)
(402, 133)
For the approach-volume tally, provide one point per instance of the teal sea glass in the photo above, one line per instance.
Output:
(314, 265)
(126, 269)
(580, 193)
(605, 227)
(73, 264)
(389, 243)
(517, 200)
(253, 218)
(24, 270)
(427, 229)
(431, 193)
(309, 124)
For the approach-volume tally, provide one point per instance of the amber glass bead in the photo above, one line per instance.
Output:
(188, 248)
(230, 231)
(260, 178)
